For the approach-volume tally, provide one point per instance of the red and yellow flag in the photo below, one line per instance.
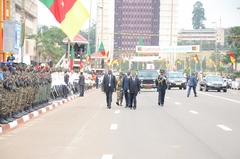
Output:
(71, 15)
(195, 58)
(115, 61)
(109, 62)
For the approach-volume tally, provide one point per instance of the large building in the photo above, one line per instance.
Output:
(121, 23)
(11, 11)
(209, 35)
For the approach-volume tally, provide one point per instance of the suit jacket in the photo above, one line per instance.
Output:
(161, 83)
(133, 87)
(81, 80)
(66, 78)
(125, 83)
(192, 82)
(105, 83)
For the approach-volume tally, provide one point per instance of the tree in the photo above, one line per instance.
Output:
(198, 16)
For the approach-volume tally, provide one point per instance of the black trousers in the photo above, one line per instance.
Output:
(161, 96)
(81, 88)
(133, 100)
(65, 91)
(109, 98)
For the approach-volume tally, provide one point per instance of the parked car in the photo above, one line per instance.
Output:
(176, 79)
(147, 78)
(236, 84)
(213, 82)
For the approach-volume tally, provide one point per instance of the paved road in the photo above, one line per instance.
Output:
(204, 127)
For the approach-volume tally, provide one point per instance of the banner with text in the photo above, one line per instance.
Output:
(166, 49)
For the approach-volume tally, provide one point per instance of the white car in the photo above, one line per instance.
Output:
(236, 84)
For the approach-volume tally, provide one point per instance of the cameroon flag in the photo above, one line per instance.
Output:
(71, 15)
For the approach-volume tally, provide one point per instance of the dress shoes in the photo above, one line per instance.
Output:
(130, 107)
(117, 103)
(162, 104)
(134, 108)
(195, 96)
(158, 103)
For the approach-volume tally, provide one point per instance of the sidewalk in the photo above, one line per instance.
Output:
(25, 118)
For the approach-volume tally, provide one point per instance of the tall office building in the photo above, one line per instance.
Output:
(136, 19)
(121, 23)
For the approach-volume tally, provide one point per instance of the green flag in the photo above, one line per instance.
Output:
(140, 41)
(71, 59)
(233, 48)
(89, 50)
(101, 49)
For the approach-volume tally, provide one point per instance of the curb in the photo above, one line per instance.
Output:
(25, 118)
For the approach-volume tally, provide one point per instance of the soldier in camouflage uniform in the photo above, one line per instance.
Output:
(119, 89)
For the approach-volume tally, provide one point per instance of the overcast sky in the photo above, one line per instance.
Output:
(214, 9)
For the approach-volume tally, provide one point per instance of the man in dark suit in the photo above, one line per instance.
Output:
(161, 87)
(133, 90)
(192, 83)
(109, 86)
(66, 83)
(81, 84)
(125, 88)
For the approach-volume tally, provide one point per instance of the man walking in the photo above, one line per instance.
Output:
(125, 88)
(119, 89)
(109, 86)
(133, 90)
(192, 83)
(81, 84)
(161, 87)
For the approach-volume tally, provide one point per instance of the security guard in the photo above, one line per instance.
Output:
(161, 87)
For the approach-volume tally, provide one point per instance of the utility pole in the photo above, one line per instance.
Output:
(22, 29)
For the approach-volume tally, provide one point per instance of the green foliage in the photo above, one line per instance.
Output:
(198, 16)
(221, 69)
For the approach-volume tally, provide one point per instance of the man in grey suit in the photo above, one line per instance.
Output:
(109, 86)
(81, 84)
(133, 90)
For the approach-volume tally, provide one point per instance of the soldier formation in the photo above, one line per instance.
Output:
(23, 89)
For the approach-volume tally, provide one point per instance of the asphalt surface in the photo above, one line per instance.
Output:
(203, 127)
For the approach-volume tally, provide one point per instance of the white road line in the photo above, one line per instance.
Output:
(220, 97)
(177, 103)
(113, 127)
(224, 128)
(192, 111)
(167, 97)
(234, 92)
(107, 156)
(117, 111)
(0, 129)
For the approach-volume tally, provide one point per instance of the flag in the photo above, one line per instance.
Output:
(140, 41)
(232, 56)
(187, 61)
(102, 50)
(123, 60)
(107, 54)
(81, 66)
(179, 61)
(109, 62)
(71, 14)
(195, 58)
(210, 60)
(143, 64)
(167, 63)
(233, 48)
(115, 61)
(89, 53)
(71, 59)
(220, 63)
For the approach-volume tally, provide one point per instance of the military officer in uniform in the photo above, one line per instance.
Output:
(119, 89)
(161, 87)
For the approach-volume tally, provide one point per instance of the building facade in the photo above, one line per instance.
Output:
(31, 17)
(124, 22)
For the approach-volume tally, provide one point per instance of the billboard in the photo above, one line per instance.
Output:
(11, 36)
(168, 49)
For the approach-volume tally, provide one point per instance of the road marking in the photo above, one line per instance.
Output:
(220, 97)
(117, 111)
(234, 92)
(107, 156)
(0, 129)
(224, 127)
(192, 111)
(167, 97)
(177, 103)
(113, 127)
